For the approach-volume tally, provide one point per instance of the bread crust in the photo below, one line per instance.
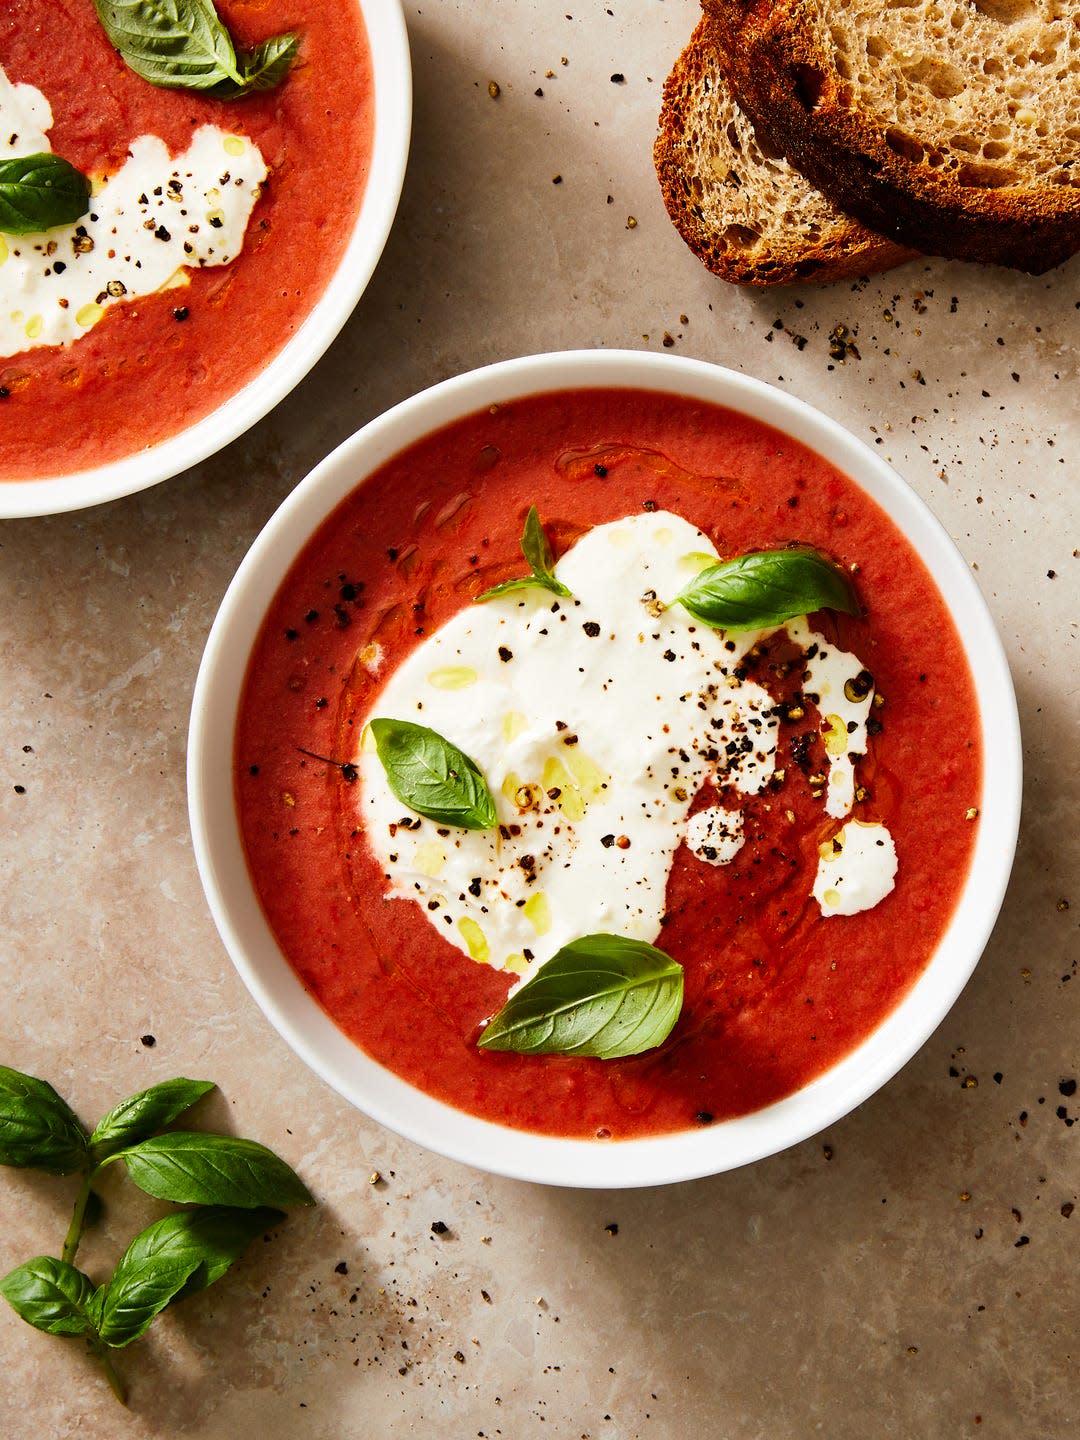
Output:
(747, 215)
(781, 67)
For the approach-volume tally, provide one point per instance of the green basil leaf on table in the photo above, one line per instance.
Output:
(604, 996)
(172, 1259)
(183, 45)
(222, 1233)
(38, 192)
(432, 776)
(767, 587)
(38, 1130)
(142, 1115)
(537, 551)
(51, 1295)
(193, 1168)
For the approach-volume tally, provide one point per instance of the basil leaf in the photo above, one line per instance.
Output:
(433, 777)
(535, 548)
(177, 44)
(141, 1287)
(263, 68)
(189, 1167)
(222, 1234)
(172, 1259)
(38, 192)
(51, 1295)
(182, 45)
(38, 1130)
(142, 1115)
(537, 551)
(767, 587)
(603, 995)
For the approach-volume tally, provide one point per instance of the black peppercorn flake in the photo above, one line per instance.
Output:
(181, 313)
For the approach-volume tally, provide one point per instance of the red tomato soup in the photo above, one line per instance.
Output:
(774, 993)
(154, 365)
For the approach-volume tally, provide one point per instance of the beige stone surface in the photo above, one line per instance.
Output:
(912, 1272)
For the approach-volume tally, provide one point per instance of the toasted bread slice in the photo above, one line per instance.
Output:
(950, 125)
(742, 209)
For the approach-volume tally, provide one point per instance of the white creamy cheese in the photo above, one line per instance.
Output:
(856, 869)
(25, 119)
(149, 223)
(595, 721)
(715, 834)
(843, 692)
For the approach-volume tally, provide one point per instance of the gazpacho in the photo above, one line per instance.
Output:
(212, 225)
(608, 764)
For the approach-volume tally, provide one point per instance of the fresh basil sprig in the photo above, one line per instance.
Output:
(183, 45)
(767, 587)
(537, 551)
(432, 776)
(39, 192)
(602, 995)
(236, 1187)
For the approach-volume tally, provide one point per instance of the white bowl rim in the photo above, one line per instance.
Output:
(392, 1101)
(388, 42)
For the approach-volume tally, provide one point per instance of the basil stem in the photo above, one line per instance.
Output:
(183, 45)
(432, 776)
(38, 192)
(767, 587)
(604, 996)
(537, 551)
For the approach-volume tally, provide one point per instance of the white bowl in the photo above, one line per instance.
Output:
(383, 1095)
(391, 67)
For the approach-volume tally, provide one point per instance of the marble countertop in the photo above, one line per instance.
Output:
(911, 1272)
